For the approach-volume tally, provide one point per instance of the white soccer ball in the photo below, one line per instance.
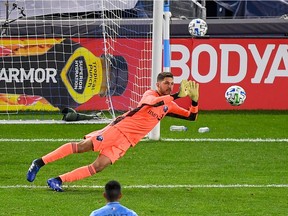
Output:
(235, 95)
(197, 27)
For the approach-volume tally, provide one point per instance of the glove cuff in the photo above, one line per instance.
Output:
(175, 96)
(194, 103)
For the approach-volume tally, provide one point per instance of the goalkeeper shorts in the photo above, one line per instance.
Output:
(110, 142)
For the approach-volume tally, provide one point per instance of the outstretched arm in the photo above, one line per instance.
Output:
(193, 92)
(179, 112)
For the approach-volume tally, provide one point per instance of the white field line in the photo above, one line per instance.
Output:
(163, 139)
(158, 186)
(37, 140)
(227, 140)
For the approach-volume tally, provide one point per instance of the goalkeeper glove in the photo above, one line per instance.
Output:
(193, 91)
(183, 90)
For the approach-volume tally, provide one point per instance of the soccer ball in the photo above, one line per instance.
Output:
(197, 27)
(235, 95)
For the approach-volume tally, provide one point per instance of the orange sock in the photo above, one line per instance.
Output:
(77, 174)
(62, 151)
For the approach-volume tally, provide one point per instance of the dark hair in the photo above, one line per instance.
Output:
(112, 190)
(162, 75)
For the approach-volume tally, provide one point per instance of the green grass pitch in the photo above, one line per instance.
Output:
(203, 175)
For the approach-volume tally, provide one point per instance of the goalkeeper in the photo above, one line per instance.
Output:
(124, 132)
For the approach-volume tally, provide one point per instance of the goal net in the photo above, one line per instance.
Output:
(88, 56)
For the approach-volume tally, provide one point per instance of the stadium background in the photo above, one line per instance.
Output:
(231, 53)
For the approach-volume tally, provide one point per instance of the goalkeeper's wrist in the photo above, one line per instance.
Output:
(194, 103)
(175, 95)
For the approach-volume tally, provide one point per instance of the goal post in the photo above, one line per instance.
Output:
(156, 55)
(160, 33)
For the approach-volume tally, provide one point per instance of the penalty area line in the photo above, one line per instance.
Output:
(227, 140)
(156, 186)
(162, 139)
(38, 140)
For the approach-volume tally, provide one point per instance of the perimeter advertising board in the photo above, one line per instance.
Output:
(259, 65)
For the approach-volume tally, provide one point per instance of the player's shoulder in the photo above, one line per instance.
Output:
(99, 211)
(133, 213)
(128, 211)
(150, 92)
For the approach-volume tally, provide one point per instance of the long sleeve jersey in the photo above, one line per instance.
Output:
(135, 124)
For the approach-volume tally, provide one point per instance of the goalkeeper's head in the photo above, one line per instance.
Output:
(112, 191)
(165, 83)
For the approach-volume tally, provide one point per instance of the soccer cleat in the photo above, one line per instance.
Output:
(33, 170)
(55, 184)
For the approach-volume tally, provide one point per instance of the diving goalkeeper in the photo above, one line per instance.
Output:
(124, 132)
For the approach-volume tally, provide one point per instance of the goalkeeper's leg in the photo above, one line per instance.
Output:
(83, 172)
(109, 154)
(62, 151)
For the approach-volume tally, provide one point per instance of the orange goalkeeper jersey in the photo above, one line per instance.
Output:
(135, 124)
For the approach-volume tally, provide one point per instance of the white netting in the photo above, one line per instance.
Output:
(86, 55)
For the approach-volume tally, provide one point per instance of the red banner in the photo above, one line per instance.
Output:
(260, 66)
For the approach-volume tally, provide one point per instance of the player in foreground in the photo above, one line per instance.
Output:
(113, 195)
(124, 132)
